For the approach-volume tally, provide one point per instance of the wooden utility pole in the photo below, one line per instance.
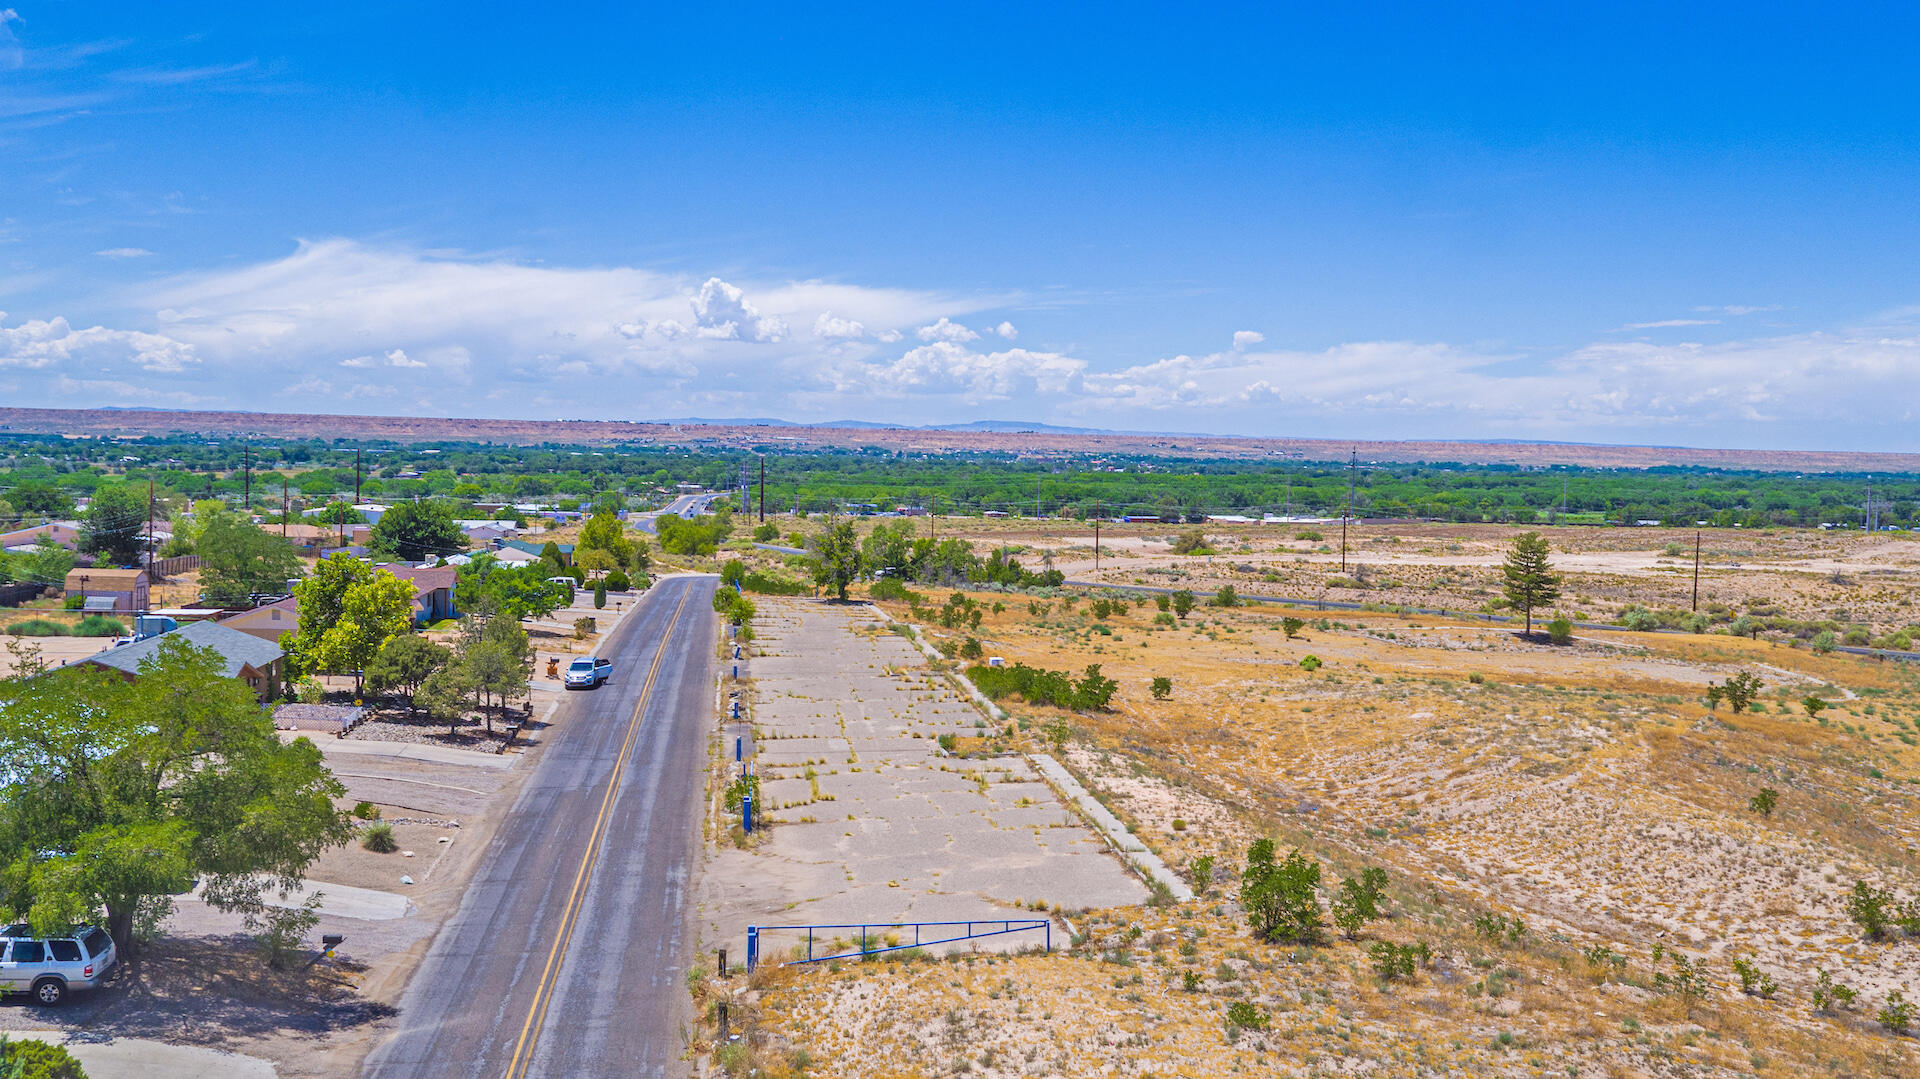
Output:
(246, 471)
(284, 507)
(149, 530)
(763, 490)
(1099, 511)
(1353, 462)
(356, 477)
(1696, 571)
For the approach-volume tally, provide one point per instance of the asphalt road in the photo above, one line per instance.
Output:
(568, 953)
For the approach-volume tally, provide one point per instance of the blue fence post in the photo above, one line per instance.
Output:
(746, 814)
(753, 946)
(739, 747)
(736, 672)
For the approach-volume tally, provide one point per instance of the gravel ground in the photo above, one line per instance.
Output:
(396, 727)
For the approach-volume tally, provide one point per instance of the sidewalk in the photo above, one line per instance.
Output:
(141, 1058)
(416, 751)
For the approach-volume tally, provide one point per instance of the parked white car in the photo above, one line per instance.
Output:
(51, 967)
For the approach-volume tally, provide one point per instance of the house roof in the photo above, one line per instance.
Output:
(426, 579)
(106, 580)
(98, 603)
(288, 604)
(535, 548)
(236, 648)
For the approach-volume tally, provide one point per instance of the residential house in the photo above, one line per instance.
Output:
(55, 533)
(267, 621)
(127, 587)
(260, 664)
(432, 590)
(534, 548)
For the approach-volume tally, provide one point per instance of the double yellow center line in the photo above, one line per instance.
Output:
(543, 993)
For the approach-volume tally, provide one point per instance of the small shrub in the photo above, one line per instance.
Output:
(378, 838)
(1870, 908)
(618, 581)
(1202, 869)
(1560, 630)
(1292, 626)
(366, 811)
(99, 625)
(1162, 602)
(1310, 663)
(1226, 597)
(1831, 996)
(1639, 619)
(33, 1059)
(309, 691)
(1897, 1016)
(1753, 981)
(38, 627)
(1764, 802)
(1823, 642)
(1498, 927)
(1243, 1015)
(583, 627)
(1190, 981)
(1161, 688)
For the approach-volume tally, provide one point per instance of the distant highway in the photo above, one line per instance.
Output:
(683, 506)
(568, 954)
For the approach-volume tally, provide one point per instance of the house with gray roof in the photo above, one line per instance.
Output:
(260, 664)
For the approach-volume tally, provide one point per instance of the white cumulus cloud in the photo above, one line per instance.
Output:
(946, 330)
(831, 328)
(1006, 330)
(1243, 339)
(721, 312)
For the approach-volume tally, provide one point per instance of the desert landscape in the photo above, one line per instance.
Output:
(1570, 836)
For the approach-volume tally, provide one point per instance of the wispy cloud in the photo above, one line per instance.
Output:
(180, 76)
(1669, 323)
(124, 253)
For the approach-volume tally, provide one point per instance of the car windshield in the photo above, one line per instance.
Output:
(581, 665)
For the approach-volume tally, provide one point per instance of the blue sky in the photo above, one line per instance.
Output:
(1614, 223)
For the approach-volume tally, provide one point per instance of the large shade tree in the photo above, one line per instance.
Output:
(122, 794)
(239, 559)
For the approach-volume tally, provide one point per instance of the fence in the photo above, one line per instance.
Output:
(870, 942)
(167, 567)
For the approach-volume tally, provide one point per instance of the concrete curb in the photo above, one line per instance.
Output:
(1113, 828)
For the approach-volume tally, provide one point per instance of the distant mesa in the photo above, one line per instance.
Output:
(992, 436)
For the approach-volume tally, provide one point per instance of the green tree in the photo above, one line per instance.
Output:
(37, 500)
(514, 591)
(417, 531)
(1161, 688)
(605, 532)
(836, 558)
(405, 663)
(321, 598)
(1529, 580)
(1292, 626)
(496, 659)
(1094, 691)
(1183, 603)
(1226, 597)
(1739, 691)
(372, 612)
(122, 793)
(239, 559)
(1280, 898)
(1764, 802)
(115, 525)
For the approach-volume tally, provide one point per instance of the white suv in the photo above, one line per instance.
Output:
(50, 967)
(588, 672)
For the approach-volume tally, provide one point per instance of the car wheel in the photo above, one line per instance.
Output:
(49, 992)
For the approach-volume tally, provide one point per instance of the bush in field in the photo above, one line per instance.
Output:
(378, 838)
(1292, 626)
(1764, 802)
(1640, 620)
(33, 1059)
(38, 627)
(1161, 688)
(99, 625)
(1183, 603)
(1226, 597)
(1560, 630)
(1279, 897)
(1870, 908)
